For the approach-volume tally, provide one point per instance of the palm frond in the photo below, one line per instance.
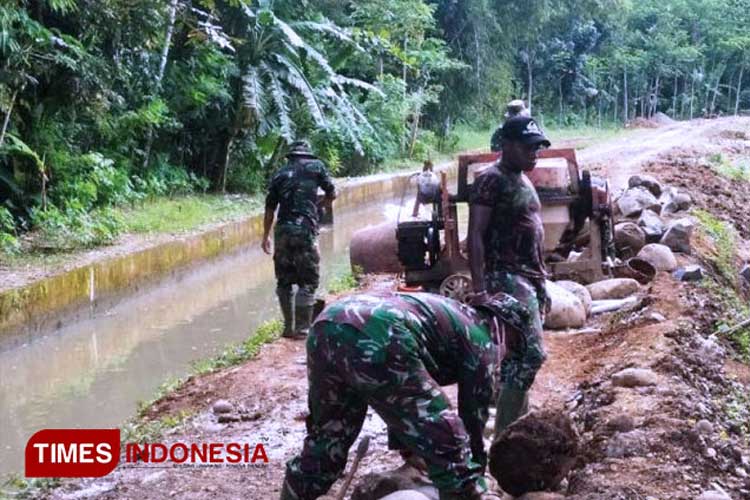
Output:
(282, 109)
(297, 79)
(251, 92)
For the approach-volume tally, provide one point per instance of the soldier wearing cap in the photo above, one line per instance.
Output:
(294, 190)
(516, 107)
(506, 241)
(393, 352)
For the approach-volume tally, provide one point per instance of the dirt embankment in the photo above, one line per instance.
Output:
(683, 431)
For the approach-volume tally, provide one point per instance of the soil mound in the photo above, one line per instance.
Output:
(535, 453)
(725, 197)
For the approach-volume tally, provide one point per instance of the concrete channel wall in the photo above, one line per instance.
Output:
(78, 294)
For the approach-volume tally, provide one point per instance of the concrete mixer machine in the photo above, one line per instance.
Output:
(577, 216)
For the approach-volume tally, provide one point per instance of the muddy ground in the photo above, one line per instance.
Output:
(685, 434)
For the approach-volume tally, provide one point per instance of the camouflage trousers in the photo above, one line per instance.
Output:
(349, 370)
(520, 366)
(296, 261)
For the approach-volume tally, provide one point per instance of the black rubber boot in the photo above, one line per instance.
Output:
(285, 301)
(512, 404)
(303, 315)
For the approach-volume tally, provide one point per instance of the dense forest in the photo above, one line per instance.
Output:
(105, 102)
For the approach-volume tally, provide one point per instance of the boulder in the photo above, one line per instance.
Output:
(677, 236)
(636, 200)
(579, 291)
(659, 256)
(629, 238)
(745, 275)
(374, 249)
(617, 288)
(634, 377)
(652, 225)
(647, 181)
(566, 311)
(222, 406)
(534, 453)
(381, 484)
(541, 495)
(406, 495)
(713, 495)
(689, 273)
(672, 201)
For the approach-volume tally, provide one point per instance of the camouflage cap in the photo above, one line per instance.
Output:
(300, 148)
(515, 107)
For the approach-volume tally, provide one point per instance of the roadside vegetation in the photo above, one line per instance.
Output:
(108, 130)
(723, 285)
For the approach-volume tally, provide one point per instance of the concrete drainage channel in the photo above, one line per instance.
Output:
(81, 293)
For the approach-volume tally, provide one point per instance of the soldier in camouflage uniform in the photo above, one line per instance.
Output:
(506, 242)
(294, 189)
(393, 352)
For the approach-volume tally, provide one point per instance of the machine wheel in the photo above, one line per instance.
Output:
(456, 286)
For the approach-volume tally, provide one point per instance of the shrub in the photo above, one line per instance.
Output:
(75, 227)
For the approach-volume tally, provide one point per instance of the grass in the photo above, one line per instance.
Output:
(724, 290)
(728, 168)
(15, 486)
(344, 282)
(173, 215)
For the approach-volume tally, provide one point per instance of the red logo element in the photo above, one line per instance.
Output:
(72, 453)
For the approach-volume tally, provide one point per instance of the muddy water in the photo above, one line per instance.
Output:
(93, 373)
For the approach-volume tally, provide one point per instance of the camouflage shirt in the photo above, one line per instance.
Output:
(514, 241)
(294, 189)
(453, 341)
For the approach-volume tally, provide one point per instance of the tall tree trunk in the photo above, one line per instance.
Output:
(674, 97)
(692, 94)
(6, 121)
(559, 87)
(716, 91)
(160, 74)
(736, 102)
(530, 71)
(625, 95)
(415, 126)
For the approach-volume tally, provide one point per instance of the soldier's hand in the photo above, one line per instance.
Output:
(266, 245)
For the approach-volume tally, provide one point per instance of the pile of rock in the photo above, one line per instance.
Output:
(651, 214)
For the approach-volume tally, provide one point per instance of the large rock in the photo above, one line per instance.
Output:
(659, 256)
(673, 201)
(406, 495)
(745, 275)
(689, 273)
(636, 200)
(713, 495)
(377, 485)
(634, 377)
(567, 311)
(652, 225)
(374, 249)
(534, 453)
(541, 495)
(629, 238)
(647, 181)
(617, 288)
(678, 234)
(579, 291)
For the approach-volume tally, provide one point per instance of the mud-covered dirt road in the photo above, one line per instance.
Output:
(685, 434)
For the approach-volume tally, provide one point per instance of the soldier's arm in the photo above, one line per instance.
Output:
(272, 201)
(479, 221)
(326, 183)
(474, 395)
